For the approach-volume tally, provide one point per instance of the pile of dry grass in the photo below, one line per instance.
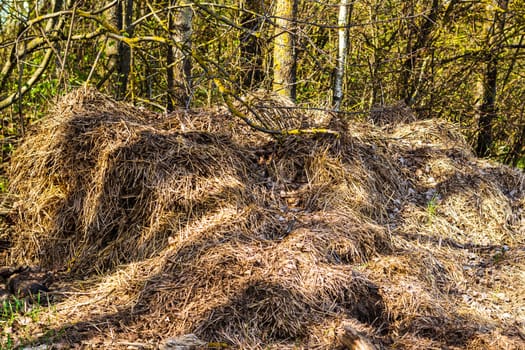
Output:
(192, 223)
(260, 108)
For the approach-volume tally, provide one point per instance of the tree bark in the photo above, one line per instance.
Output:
(414, 52)
(179, 57)
(284, 55)
(487, 110)
(118, 52)
(250, 45)
(345, 11)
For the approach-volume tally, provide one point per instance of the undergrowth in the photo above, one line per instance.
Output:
(16, 317)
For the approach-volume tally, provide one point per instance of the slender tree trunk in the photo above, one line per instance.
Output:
(409, 76)
(284, 55)
(517, 149)
(250, 45)
(375, 94)
(118, 53)
(179, 57)
(487, 110)
(345, 12)
(124, 50)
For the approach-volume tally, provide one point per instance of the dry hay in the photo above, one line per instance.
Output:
(392, 115)
(191, 223)
(270, 110)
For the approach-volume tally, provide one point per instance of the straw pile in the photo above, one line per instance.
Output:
(192, 223)
(260, 107)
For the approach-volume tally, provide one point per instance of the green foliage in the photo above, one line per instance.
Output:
(8, 343)
(432, 207)
(433, 58)
(11, 309)
(500, 254)
(521, 163)
(17, 312)
(3, 184)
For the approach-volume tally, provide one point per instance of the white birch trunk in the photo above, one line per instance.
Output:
(342, 23)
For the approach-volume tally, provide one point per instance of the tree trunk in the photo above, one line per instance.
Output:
(414, 52)
(487, 110)
(179, 57)
(118, 53)
(345, 11)
(517, 149)
(284, 55)
(250, 45)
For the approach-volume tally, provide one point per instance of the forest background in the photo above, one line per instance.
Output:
(458, 60)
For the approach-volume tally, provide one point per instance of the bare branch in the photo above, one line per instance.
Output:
(6, 102)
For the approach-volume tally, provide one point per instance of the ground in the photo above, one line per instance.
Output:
(192, 225)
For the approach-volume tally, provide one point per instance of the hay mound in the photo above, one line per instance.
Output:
(94, 167)
(191, 223)
(270, 110)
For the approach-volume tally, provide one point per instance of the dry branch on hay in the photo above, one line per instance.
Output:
(194, 224)
(270, 110)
